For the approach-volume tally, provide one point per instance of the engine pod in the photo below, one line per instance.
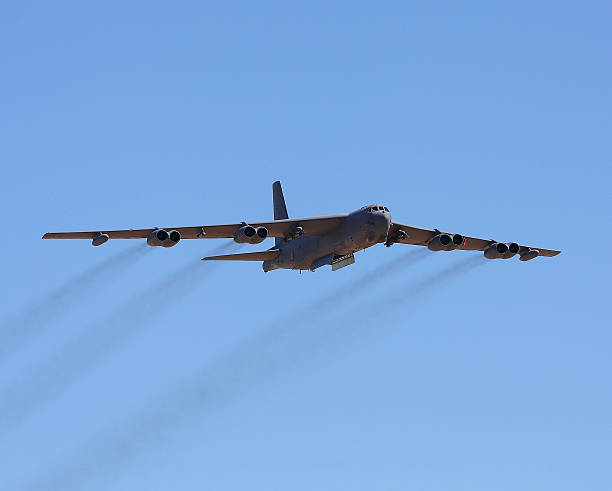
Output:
(250, 235)
(157, 238)
(260, 235)
(513, 249)
(174, 236)
(245, 234)
(441, 242)
(496, 250)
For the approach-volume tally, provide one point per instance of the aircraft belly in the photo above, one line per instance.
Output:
(300, 252)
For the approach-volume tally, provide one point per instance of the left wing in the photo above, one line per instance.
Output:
(277, 228)
(407, 234)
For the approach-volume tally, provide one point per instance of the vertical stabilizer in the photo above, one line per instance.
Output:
(280, 208)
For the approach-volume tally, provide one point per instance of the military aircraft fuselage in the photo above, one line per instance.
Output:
(362, 228)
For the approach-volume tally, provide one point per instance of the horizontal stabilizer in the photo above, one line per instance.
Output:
(246, 256)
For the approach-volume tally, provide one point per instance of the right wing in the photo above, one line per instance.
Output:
(422, 236)
(277, 228)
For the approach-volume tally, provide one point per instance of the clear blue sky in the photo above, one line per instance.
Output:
(157, 371)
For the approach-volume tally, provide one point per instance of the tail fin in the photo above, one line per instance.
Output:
(280, 208)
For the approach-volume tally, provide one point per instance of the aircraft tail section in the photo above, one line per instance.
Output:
(280, 208)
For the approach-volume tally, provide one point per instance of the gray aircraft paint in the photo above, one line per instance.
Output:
(361, 229)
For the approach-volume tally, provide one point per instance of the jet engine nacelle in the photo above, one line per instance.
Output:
(445, 242)
(499, 250)
(161, 238)
(513, 249)
(174, 236)
(157, 237)
(250, 235)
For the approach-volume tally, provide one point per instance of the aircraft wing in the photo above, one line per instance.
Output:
(422, 236)
(278, 228)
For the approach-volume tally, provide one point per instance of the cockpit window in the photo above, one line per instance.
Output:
(386, 209)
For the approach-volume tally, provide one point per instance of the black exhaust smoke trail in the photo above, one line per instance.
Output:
(277, 349)
(409, 295)
(340, 295)
(278, 346)
(37, 316)
(398, 296)
(57, 373)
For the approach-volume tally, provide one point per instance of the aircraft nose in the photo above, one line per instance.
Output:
(383, 222)
(384, 219)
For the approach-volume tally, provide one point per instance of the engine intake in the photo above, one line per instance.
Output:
(513, 249)
(157, 237)
(174, 236)
(250, 235)
(262, 234)
(496, 250)
(445, 242)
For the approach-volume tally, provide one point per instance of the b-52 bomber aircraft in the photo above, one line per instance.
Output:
(312, 242)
